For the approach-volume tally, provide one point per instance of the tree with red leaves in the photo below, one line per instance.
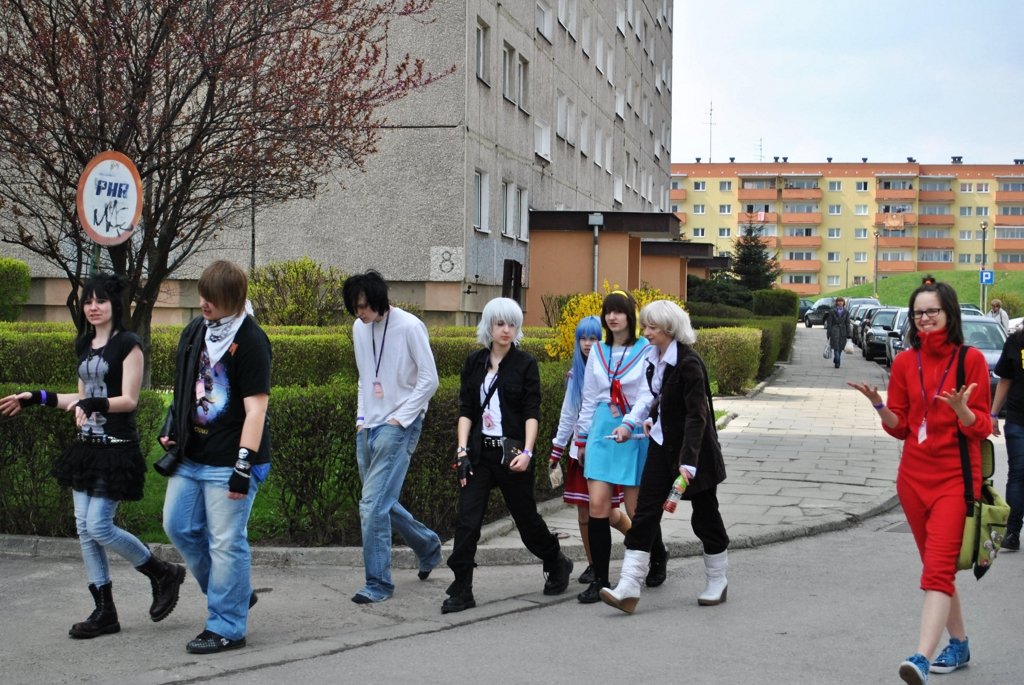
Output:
(225, 106)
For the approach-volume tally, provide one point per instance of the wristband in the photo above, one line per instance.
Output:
(878, 406)
(995, 416)
(46, 398)
(528, 453)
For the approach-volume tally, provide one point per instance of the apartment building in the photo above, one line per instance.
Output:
(836, 225)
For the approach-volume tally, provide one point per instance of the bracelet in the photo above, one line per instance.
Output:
(878, 406)
(460, 450)
(528, 453)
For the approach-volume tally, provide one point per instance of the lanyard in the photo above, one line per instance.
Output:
(920, 374)
(377, 360)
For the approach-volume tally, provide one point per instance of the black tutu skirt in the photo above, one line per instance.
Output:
(115, 472)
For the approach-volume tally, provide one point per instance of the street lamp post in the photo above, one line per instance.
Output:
(984, 232)
(847, 272)
(876, 264)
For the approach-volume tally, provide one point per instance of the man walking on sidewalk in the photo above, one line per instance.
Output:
(397, 378)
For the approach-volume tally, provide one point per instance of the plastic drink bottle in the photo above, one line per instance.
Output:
(678, 486)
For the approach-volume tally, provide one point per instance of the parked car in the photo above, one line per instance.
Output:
(876, 331)
(858, 325)
(856, 304)
(816, 314)
(896, 338)
(971, 309)
(805, 304)
(1016, 323)
(988, 336)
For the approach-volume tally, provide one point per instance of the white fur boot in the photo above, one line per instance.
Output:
(626, 594)
(717, 586)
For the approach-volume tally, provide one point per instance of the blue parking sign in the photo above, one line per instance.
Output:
(986, 277)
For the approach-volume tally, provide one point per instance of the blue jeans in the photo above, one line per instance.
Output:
(1014, 433)
(836, 355)
(383, 453)
(94, 519)
(211, 532)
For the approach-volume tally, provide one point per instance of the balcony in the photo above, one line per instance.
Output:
(932, 266)
(887, 267)
(1007, 220)
(936, 243)
(936, 196)
(677, 194)
(758, 194)
(897, 241)
(802, 218)
(882, 219)
(682, 218)
(801, 265)
(800, 241)
(892, 194)
(936, 220)
(1008, 245)
(812, 288)
(801, 194)
(744, 218)
(1009, 196)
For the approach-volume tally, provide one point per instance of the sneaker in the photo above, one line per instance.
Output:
(558, 577)
(954, 656)
(592, 594)
(587, 577)
(914, 670)
(1011, 543)
(209, 642)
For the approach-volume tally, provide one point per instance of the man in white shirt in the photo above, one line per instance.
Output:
(397, 378)
(999, 314)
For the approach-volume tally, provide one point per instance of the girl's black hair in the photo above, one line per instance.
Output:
(372, 285)
(950, 305)
(103, 287)
(624, 304)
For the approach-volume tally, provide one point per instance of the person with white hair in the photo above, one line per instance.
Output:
(499, 415)
(683, 443)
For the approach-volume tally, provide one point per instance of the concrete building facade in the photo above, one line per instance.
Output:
(836, 225)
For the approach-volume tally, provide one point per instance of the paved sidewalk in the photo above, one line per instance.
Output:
(783, 482)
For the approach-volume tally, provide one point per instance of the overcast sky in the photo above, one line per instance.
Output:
(883, 79)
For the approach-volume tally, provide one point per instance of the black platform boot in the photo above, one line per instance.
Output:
(166, 579)
(102, 620)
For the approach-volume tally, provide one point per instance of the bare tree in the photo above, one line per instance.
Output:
(225, 106)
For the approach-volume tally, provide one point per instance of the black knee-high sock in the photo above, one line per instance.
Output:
(600, 534)
(658, 547)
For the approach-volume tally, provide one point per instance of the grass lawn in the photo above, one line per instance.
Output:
(895, 290)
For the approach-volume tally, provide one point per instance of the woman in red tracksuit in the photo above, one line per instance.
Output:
(925, 409)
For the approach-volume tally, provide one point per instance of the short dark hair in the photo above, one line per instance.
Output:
(224, 284)
(102, 286)
(372, 285)
(950, 305)
(622, 302)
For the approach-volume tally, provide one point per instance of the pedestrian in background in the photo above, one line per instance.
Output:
(104, 465)
(926, 410)
(1010, 394)
(683, 443)
(997, 312)
(397, 378)
(588, 332)
(837, 324)
(217, 426)
(499, 404)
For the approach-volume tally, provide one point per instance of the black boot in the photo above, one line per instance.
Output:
(102, 620)
(659, 567)
(460, 597)
(592, 594)
(166, 579)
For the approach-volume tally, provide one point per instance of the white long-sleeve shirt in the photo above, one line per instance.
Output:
(567, 420)
(604, 365)
(406, 372)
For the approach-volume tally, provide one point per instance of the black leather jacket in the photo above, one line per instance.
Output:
(190, 346)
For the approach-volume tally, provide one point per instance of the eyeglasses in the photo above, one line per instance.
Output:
(930, 313)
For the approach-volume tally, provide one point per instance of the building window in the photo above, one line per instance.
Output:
(935, 256)
(800, 256)
(800, 231)
(698, 233)
(800, 279)
(966, 235)
(724, 232)
(833, 280)
(542, 139)
(860, 257)
(545, 20)
(833, 256)
(932, 233)
(598, 146)
(522, 83)
(617, 189)
(561, 113)
(935, 210)
(1011, 258)
(725, 209)
(700, 185)
(508, 73)
(964, 258)
(1011, 211)
(966, 211)
(898, 256)
(862, 186)
(860, 280)
(860, 210)
(935, 186)
(835, 186)
(507, 215)
(675, 183)
(584, 134)
(585, 34)
(482, 35)
(480, 209)
(835, 210)
(981, 211)
(522, 217)
(860, 233)
(981, 188)
(698, 209)
(835, 233)
(725, 186)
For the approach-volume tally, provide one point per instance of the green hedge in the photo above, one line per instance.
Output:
(15, 281)
(731, 356)
(777, 334)
(776, 302)
(31, 502)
